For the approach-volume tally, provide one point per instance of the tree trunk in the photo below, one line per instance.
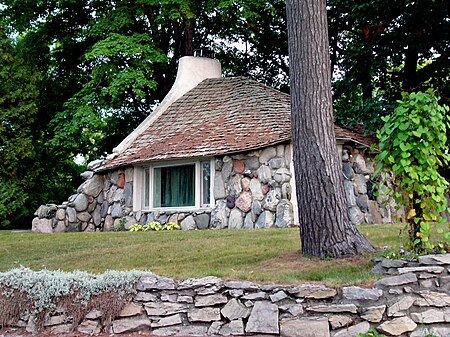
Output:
(325, 229)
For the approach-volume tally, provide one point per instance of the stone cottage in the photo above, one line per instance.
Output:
(216, 153)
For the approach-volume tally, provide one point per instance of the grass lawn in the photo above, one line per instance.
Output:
(265, 255)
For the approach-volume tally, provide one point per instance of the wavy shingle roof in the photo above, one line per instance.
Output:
(219, 116)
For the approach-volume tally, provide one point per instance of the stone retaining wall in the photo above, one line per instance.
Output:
(251, 190)
(414, 301)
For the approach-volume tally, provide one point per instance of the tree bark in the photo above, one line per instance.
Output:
(325, 229)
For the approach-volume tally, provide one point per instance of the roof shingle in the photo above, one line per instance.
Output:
(219, 116)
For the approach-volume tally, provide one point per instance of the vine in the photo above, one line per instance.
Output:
(413, 149)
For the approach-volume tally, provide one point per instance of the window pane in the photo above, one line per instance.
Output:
(146, 188)
(206, 183)
(174, 186)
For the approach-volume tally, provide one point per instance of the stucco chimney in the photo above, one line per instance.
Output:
(191, 71)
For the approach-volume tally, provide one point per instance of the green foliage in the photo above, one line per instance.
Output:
(93, 70)
(154, 226)
(120, 227)
(413, 147)
(170, 226)
(368, 40)
(370, 333)
(18, 94)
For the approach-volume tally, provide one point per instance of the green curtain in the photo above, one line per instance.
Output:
(174, 186)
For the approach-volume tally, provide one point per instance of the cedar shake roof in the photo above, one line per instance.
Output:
(219, 116)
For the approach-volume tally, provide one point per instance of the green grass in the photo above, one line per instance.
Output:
(265, 255)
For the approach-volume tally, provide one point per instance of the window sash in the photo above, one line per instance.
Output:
(205, 183)
(202, 196)
(174, 186)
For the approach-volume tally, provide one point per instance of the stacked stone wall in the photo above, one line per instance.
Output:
(100, 204)
(413, 301)
(254, 190)
(360, 188)
(251, 190)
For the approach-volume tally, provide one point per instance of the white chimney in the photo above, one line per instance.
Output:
(191, 71)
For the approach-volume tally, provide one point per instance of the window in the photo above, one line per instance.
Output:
(173, 186)
(206, 183)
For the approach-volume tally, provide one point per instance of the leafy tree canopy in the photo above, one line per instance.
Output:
(103, 65)
(18, 109)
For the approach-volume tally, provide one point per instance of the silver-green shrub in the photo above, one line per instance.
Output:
(45, 288)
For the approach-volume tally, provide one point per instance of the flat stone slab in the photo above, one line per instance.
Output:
(358, 293)
(429, 269)
(431, 316)
(181, 330)
(335, 308)
(130, 325)
(131, 309)
(398, 308)
(435, 259)
(210, 300)
(353, 331)
(339, 321)
(396, 280)
(313, 291)
(263, 318)
(244, 285)
(308, 327)
(389, 263)
(204, 314)
(398, 326)
(293, 309)
(164, 308)
(260, 295)
(193, 283)
(89, 327)
(373, 314)
(147, 283)
(278, 296)
(145, 297)
(168, 321)
(235, 310)
(233, 328)
(432, 299)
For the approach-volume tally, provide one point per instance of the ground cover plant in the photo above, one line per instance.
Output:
(265, 255)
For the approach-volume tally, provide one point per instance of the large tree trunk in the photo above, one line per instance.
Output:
(325, 229)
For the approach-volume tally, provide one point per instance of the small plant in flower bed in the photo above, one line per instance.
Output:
(402, 253)
(154, 226)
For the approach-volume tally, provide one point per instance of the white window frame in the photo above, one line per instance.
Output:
(140, 183)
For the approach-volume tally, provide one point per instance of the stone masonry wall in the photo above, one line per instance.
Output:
(99, 204)
(413, 301)
(251, 190)
(360, 187)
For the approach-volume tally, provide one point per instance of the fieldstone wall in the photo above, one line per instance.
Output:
(251, 190)
(360, 187)
(413, 302)
(100, 203)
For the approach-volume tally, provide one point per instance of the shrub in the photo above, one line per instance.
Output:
(77, 292)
